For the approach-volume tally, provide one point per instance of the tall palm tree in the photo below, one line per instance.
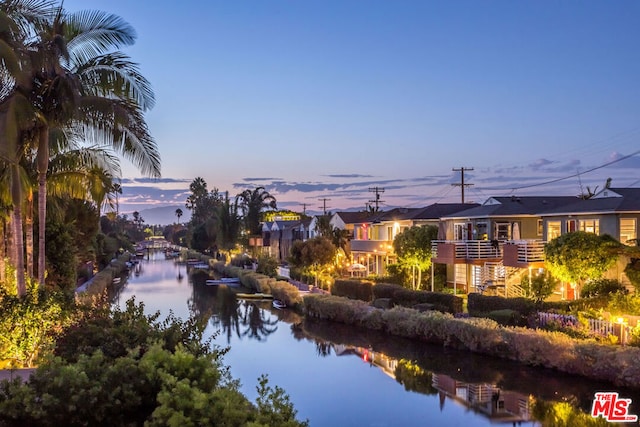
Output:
(179, 214)
(17, 19)
(76, 79)
(252, 203)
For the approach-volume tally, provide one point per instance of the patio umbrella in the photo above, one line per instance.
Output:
(515, 231)
(356, 267)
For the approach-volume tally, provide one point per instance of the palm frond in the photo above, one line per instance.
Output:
(121, 125)
(114, 75)
(93, 33)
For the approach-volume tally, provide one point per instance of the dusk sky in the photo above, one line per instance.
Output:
(325, 99)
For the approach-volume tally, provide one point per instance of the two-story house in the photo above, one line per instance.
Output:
(612, 211)
(373, 233)
(492, 245)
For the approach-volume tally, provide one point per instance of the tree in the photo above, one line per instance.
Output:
(179, 214)
(314, 255)
(413, 249)
(252, 203)
(580, 256)
(72, 78)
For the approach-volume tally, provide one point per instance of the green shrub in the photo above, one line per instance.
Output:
(162, 374)
(442, 302)
(602, 287)
(507, 317)
(478, 305)
(353, 289)
(385, 290)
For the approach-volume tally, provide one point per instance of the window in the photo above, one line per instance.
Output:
(460, 231)
(628, 230)
(502, 231)
(539, 227)
(590, 226)
(481, 231)
(553, 229)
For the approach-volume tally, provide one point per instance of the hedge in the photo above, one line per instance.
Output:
(353, 289)
(408, 298)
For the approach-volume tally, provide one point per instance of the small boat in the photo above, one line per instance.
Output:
(257, 295)
(279, 304)
(224, 281)
(201, 265)
(116, 280)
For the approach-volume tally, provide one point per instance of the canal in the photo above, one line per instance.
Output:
(342, 376)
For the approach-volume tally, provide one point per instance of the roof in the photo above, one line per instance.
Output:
(515, 206)
(609, 200)
(357, 217)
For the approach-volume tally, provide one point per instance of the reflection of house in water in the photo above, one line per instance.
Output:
(498, 405)
(384, 362)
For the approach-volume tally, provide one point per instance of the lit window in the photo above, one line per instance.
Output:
(553, 229)
(590, 226)
(628, 230)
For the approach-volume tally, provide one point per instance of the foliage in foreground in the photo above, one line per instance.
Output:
(31, 324)
(125, 368)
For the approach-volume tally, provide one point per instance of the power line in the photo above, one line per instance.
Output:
(579, 173)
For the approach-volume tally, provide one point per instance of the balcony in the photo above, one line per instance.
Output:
(465, 251)
(518, 253)
(524, 253)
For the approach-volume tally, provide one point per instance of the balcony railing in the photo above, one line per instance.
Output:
(469, 249)
(514, 253)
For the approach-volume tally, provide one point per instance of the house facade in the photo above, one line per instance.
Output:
(494, 245)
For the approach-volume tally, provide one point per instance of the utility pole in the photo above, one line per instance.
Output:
(324, 205)
(304, 209)
(377, 200)
(462, 184)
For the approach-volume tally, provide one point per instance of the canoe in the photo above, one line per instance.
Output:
(254, 296)
(279, 304)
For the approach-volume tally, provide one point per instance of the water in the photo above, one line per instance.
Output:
(342, 376)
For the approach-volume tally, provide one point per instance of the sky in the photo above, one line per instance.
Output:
(321, 101)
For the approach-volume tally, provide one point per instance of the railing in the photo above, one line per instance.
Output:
(471, 249)
(530, 250)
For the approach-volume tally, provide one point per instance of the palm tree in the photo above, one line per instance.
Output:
(17, 18)
(252, 204)
(179, 214)
(76, 80)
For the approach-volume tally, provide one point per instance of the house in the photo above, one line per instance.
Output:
(612, 211)
(492, 245)
(373, 233)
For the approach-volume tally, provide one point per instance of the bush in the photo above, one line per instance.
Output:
(385, 290)
(161, 373)
(479, 305)
(353, 289)
(507, 317)
(602, 287)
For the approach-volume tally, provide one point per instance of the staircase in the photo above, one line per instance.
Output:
(498, 280)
